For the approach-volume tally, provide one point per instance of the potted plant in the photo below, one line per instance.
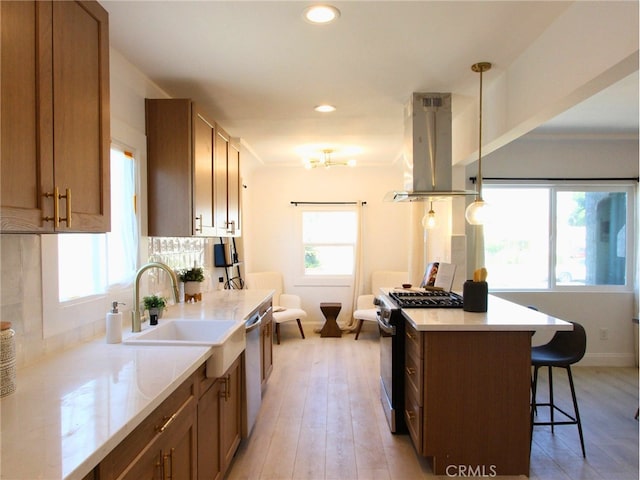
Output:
(192, 277)
(155, 305)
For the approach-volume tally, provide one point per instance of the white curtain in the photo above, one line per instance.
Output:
(357, 269)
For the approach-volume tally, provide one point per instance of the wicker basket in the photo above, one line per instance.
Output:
(7, 359)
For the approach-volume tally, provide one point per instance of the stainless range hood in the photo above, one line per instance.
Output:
(427, 150)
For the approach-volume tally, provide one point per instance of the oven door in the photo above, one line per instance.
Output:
(387, 333)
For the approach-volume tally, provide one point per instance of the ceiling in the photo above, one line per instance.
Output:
(259, 68)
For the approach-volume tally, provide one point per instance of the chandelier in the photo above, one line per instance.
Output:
(325, 160)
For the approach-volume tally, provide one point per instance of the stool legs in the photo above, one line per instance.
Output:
(573, 420)
(575, 408)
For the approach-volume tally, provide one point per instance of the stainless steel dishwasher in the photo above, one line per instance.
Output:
(253, 378)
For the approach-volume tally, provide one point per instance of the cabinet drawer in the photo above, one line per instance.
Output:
(413, 376)
(414, 342)
(126, 452)
(413, 418)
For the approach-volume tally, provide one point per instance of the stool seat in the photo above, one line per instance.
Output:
(545, 356)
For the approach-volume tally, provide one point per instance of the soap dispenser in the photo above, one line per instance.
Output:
(114, 324)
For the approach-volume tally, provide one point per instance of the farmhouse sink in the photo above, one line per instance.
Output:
(225, 337)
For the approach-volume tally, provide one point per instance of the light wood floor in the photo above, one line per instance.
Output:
(321, 419)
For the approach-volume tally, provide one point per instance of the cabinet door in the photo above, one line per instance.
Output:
(209, 466)
(234, 190)
(203, 189)
(266, 347)
(23, 167)
(169, 177)
(81, 134)
(179, 444)
(220, 180)
(55, 107)
(230, 414)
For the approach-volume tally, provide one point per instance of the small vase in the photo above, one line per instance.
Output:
(192, 291)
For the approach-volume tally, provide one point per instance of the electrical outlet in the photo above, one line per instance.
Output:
(604, 334)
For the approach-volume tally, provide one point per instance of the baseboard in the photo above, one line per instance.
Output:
(608, 360)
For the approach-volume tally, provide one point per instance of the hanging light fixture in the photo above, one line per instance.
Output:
(429, 220)
(476, 213)
(325, 161)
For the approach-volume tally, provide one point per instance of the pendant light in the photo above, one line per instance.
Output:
(429, 220)
(476, 213)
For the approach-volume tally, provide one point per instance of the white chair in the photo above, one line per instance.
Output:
(286, 307)
(365, 309)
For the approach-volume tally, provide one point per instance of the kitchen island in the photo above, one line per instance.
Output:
(467, 386)
(71, 409)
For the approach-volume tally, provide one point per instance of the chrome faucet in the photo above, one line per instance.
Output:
(136, 323)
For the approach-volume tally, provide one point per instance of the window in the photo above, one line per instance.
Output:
(79, 292)
(329, 242)
(576, 232)
(108, 259)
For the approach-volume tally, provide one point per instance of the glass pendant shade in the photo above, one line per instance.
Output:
(429, 220)
(477, 213)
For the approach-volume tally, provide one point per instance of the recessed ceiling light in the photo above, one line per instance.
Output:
(324, 108)
(321, 14)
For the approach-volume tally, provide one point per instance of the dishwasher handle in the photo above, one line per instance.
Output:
(253, 323)
(255, 320)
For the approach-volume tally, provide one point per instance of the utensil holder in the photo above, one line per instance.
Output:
(474, 295)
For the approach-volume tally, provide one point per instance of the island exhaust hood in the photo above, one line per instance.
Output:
(427, 150)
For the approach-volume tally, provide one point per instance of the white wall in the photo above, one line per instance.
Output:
(270, 223)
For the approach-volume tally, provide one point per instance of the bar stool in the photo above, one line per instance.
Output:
(563, 350)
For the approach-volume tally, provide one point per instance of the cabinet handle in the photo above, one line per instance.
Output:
(227, 393)
(56, 207)
(158, 466)
(410, 336)
(231, 224)
(410, 370)
(410, 415)
(169, 470)
(167, 421)
(56, 211)
(67, 196)
(199, 220)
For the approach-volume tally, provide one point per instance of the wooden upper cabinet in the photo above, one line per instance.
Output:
(227, 182)
(203, 161)
(55, 112)
(222, 152)
(190, 161)
(234, 189)
(180, 156)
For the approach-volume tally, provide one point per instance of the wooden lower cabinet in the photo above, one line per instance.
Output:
(192, 435)
(467, 400)
(266, 344)
(219, 422)
(163, 446)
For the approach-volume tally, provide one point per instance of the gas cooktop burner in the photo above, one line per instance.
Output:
(427, 299)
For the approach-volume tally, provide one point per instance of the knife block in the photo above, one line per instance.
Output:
(474, 296)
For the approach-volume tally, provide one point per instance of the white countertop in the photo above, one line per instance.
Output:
(72, 408)
(501, 315)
